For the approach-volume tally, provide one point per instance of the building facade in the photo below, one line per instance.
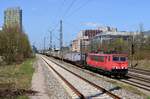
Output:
(13, 17)
(89, 33)
(107, 28)
(82, 40)
(85, 38)
(74, 45)
(110, 36)
(101, 41)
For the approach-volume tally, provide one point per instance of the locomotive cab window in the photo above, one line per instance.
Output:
(115, 58)
(123, 58)
(119, 58)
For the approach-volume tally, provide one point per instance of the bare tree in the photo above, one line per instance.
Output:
(14, 45)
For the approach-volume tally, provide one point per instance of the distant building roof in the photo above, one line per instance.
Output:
(0, 28)
(118, 33)
(147, 32)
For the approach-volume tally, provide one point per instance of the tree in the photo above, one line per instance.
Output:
(118, 45)
(14, 45)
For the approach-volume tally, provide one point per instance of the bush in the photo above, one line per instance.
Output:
(14, 45)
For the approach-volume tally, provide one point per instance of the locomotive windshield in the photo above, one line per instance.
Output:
(119, 58)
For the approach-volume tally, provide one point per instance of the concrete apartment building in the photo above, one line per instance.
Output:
(85, 37)
(13, 17)
(74, 45)
(107, 28)
(110, 36)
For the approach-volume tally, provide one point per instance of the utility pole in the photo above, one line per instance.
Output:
(50, 43)
(132, 51)
(81, 51)
(44, 45)
(61, 40)
(141, 35)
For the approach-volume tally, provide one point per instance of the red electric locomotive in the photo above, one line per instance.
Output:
(112, 64)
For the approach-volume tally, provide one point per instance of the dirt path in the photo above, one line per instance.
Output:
(38, 82)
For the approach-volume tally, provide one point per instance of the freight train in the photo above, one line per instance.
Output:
(110, 64)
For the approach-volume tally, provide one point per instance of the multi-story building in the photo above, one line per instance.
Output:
(89, 33)
(75, 45)
(109, 36)
(13, 17)
(83, 39)
(107, 29)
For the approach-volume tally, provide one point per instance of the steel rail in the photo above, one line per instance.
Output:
(140, 71)
(136, 84)
(80, 95)
(140, 78)
(91, 83)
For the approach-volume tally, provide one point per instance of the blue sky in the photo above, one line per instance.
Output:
(40, 16)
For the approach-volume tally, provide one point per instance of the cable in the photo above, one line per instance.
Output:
(53, 29)
(60, 8)
(67, 11)
(69, 8)
(81, 6)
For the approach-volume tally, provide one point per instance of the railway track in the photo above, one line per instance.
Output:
(80, 93)
(139, 78)
(132, 79)
(140, 71)
(137, 84)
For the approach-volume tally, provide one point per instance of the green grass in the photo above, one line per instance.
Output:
(18, 76)
(148, 97)
(143, 64)
(22, 97)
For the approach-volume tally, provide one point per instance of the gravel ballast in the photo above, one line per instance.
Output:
(85, 88)
(56, 90)
(46, 84)
(101, 82)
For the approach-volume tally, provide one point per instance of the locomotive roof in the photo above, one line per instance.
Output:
(104, 54)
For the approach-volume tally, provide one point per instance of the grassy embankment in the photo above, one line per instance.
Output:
(143, 64)
(17, 76)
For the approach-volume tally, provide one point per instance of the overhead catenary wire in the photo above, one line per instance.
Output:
(78, 8)
(68, 8)
(58, 10)
(67, 11)
(55, 27)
